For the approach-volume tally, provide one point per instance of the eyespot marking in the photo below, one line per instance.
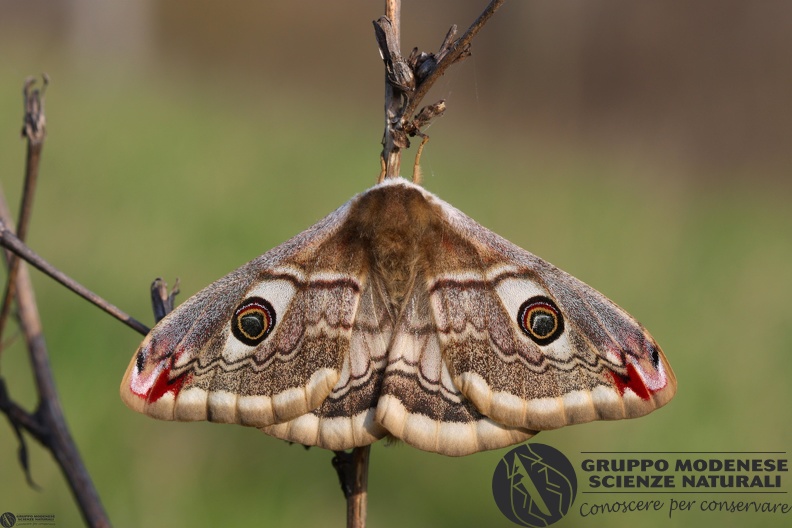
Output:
(253, 321)
(540, 319)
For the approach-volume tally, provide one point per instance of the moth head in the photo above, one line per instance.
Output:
(253, 320)
(540, 319)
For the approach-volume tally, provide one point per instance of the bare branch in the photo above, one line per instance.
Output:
(48, 424)
(392, 141)
(34, 130)
(393, 12)
(352, 471)
(453, 53)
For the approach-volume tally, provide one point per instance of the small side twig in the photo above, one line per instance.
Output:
(20, 420)
(162, 301)
(453, 52)
(9, 241)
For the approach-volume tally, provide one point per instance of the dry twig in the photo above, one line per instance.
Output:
(352, 471)
(162, 301)
(407, 81)
(34, 130)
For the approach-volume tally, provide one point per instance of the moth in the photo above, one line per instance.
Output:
(397, 315)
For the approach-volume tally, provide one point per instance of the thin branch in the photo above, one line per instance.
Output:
(50, 429)
(393, 12)
(9, 241)
(356, 507)
(352, 471)
(34, 130)
(398, 78)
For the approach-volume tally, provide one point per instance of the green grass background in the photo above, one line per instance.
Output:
(163, 175)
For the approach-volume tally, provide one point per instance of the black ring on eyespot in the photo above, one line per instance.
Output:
(540, 319)
(253, 320)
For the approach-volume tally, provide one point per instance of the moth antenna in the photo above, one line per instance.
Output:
(417, 176)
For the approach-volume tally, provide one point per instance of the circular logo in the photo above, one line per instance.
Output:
(534, 485)
(7, 520)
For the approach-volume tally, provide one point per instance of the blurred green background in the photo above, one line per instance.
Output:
(643, 147)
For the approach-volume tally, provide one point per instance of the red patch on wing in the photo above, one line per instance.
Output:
(164, 384)
(632, 380)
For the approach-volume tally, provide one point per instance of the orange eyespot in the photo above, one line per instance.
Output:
(540, 319)
(253, 320)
